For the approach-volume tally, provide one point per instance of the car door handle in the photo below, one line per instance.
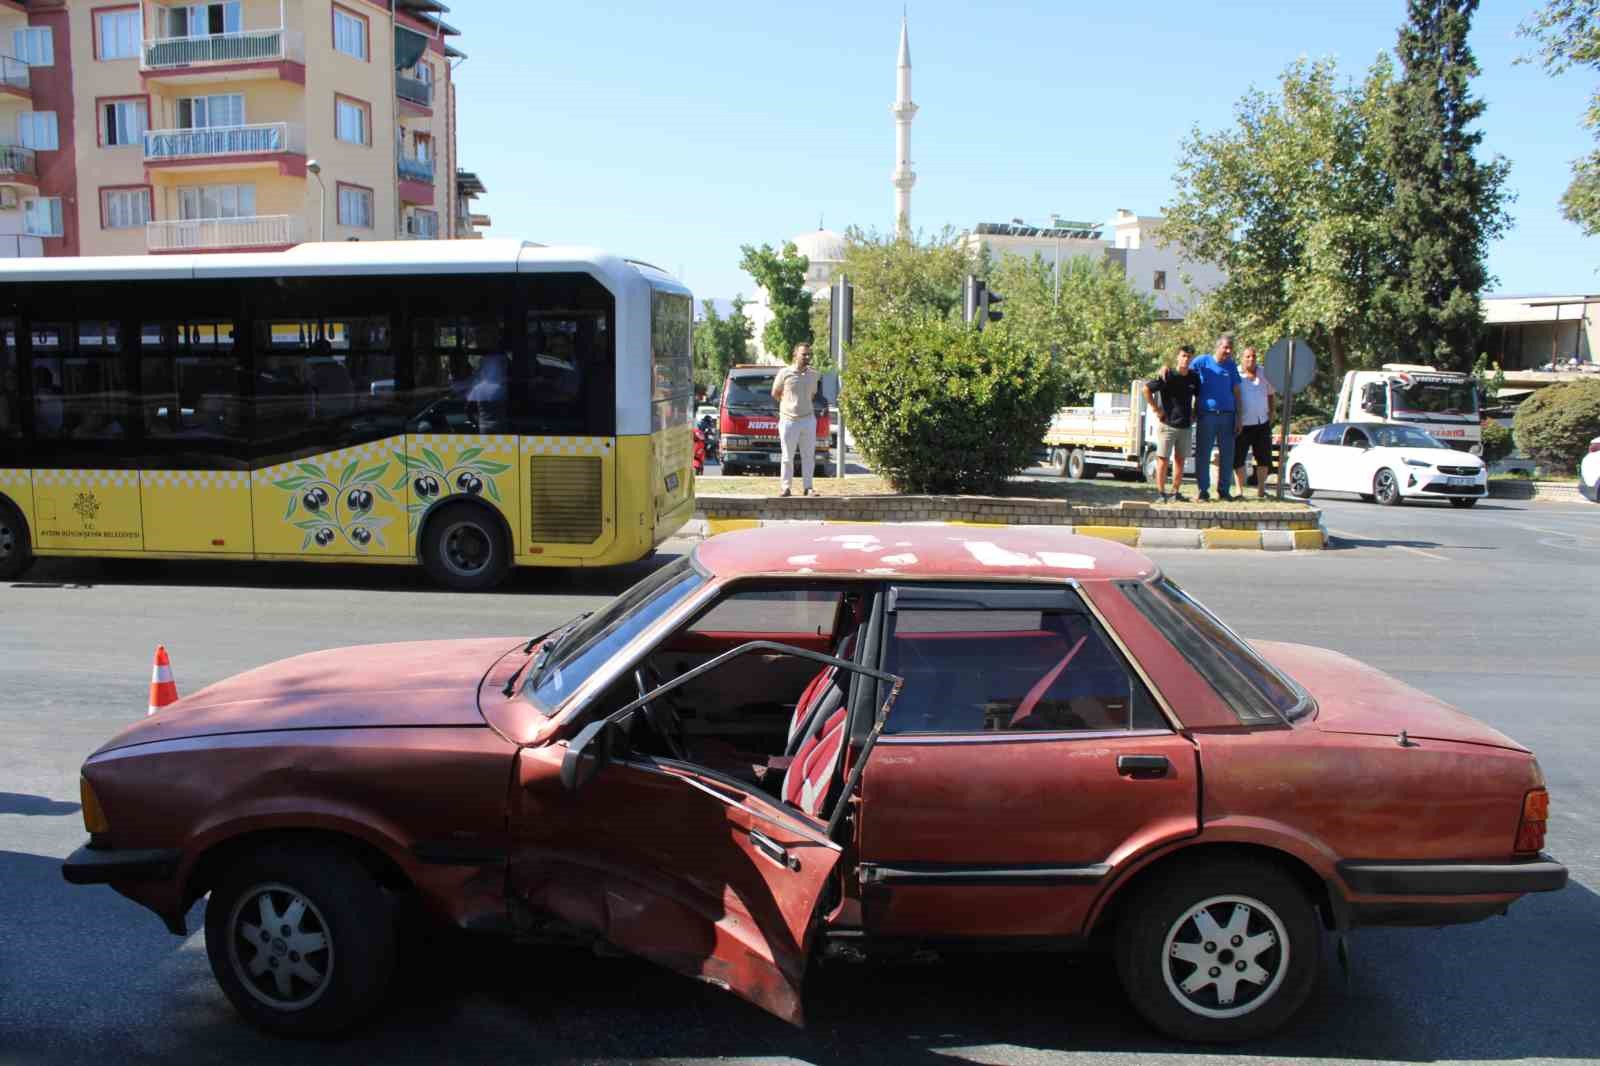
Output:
(1143, 766)
(773, 850)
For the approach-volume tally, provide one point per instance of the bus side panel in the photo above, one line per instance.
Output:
(469, 465)
(572, 485)
(205, 511)
(349, 504)
(16, 485)
(94, 510)
(673, 452)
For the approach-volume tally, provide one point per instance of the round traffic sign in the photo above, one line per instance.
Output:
(1276, 365)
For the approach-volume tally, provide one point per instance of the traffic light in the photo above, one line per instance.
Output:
(987, 312)
(977, 304)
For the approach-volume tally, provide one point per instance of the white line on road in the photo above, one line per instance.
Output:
(1419, 551)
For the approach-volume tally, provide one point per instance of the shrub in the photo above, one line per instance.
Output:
(1555, 425)
(938, 407)
(1301, 423)
(1496, 441)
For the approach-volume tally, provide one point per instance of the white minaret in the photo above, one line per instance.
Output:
(903, 111)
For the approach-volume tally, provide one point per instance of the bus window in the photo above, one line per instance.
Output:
(567, 354)
(10, 381)
(314, 372)
(189, 381)
(80, 383)
(462, 365)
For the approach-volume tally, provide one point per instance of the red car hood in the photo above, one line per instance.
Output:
(418, 683)
(1353, 697)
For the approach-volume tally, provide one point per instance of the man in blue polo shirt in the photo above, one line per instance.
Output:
(1216, 411)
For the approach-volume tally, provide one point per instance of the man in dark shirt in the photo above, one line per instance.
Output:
(1171, 396)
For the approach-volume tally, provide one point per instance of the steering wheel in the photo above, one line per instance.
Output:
(660, 713)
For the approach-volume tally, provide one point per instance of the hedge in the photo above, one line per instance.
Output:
(1555, 425)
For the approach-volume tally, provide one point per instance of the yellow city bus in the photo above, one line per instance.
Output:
(468, 405)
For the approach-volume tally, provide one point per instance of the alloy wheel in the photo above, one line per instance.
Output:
(1385, 488)
(279, 947)
(1299, 481)
(1225, 957)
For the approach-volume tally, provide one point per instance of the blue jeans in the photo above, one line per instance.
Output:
(1215, 428)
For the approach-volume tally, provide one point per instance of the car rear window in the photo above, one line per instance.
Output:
(1247, 683)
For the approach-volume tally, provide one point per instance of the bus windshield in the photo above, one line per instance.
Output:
(1456, 398)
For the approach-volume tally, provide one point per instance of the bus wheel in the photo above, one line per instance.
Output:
(464, 549)
(16, 551)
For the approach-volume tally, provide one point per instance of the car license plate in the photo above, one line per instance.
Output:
(1468, 481)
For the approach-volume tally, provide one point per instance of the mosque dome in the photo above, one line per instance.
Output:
(821, 246)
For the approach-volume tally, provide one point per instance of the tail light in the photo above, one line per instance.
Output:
(1535, 813)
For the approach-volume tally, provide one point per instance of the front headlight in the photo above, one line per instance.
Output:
(1477, 449)
(94, 818)
(1418, 462)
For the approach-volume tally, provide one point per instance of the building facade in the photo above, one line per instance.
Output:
(233, 125)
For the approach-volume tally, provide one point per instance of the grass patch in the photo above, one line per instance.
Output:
(1100, 492)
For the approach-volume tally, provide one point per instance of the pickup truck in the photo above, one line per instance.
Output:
(1118, 433)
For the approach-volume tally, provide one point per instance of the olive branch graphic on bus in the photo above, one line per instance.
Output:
(342, 506)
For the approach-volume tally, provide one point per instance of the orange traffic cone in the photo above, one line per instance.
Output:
(163, 690)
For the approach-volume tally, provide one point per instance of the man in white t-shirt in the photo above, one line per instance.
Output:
(1255, 422)
(797, 422)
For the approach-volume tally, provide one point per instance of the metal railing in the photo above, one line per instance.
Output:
(422, 226)
(246, 46)
(15, 159)
(213, 141)
(20, 246)
(197, 234)
(14, 72)
(413, 89)
(413, 169)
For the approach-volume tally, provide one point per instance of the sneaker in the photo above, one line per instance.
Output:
(1165, 497)
(1205, 497)
(811, 492)
(1178, 497)
(785, 492)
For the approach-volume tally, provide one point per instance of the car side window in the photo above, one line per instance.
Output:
(1330, 435)
(996, 671)
(1356, 438)
(810, 611)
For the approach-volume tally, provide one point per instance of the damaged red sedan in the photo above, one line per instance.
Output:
(825, 741)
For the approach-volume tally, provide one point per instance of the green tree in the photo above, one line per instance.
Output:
(901, 276)
(1447, 204)
(1555, 425)
(1288, 201)
(1099, 329)
(720, 342)
(783, 275)
(1568, 32)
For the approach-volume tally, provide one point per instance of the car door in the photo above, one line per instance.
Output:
(1022, 764)
(681, 864)
(1355, 467)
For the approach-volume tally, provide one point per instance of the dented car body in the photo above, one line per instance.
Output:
(825, 740)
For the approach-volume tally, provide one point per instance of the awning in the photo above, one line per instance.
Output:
(408, 47)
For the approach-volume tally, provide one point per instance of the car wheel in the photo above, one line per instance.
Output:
(302, 940)
(1078, 468)
(1299, 482)
(1385, 489)
(1463, 501)
(16, 547)
(1220, 951)
(464, 549)
(731, 470)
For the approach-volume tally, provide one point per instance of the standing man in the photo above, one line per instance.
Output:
(1170, 395)
(1255, 416)
(1217, 416)
(797, 422)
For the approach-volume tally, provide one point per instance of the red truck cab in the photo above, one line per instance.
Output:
(747, 421)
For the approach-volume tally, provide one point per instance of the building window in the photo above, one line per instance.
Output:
(424, 147)
(41, 216)
(123, 121)
(349, 33)
(210, 112)
(1160, 281)
(423, 224)
(119, 34)
(124, 208)
(34, 45)
(352, 120)
(425, 72)
(202, 20)
(355, 206)
(37, 130)
(216, 201)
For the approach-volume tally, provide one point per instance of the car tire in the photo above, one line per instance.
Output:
(1058, 461)
(1079, 468)
(1163, 924)
(1147, 468)
(1300, 483)
(731, 470)
(16, 543)
(1463, 501)
(322, 896)
(1386, 487)
(464, 548)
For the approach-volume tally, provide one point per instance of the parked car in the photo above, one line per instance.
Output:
(1384, 462)
(1589, 472)
(873, 738)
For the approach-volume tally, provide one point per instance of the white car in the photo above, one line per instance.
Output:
(1589, 473)
(1385, 462)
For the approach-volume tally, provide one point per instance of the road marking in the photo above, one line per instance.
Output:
(1419, 551)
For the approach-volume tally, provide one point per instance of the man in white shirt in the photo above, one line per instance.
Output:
(797, 422)
(1255, 422)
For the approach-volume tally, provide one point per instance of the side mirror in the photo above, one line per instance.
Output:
(593, 747)
(828, 387)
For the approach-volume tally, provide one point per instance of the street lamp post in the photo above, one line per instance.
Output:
(315, 170)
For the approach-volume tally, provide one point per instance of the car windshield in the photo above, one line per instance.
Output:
(751, 391)
(601, 635)
(1403, 437)
(1435, 398)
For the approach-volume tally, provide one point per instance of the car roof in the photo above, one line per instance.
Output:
(920, 552)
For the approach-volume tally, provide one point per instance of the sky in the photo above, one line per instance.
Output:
(677, 133)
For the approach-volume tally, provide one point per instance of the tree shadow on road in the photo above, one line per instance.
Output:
(23, 803)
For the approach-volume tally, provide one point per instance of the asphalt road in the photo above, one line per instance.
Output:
(1491, 609)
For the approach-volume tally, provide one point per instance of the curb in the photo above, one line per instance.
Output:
(1529, 489)
(701, 527)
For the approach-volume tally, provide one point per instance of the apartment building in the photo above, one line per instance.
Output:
(232, 125)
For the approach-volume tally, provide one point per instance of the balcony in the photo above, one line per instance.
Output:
(20, 246)
(413, 169)
(222, 234)
(413, 90)
(225, 143)
(18, 165)
(185, 55)
(14, 77)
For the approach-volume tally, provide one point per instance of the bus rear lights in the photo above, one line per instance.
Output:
(1535, 815)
